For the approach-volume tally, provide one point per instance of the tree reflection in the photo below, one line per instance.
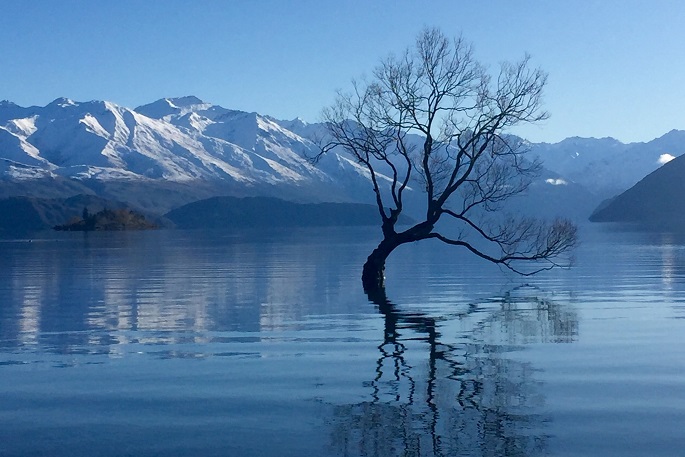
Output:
(467, 397)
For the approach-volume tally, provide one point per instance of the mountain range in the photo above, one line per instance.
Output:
(174, 151)
(162, 155)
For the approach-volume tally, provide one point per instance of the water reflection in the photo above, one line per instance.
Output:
(234, 344)
(672, 262)
(97, 294)
(440, 394)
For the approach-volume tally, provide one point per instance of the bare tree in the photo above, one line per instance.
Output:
(465, 162)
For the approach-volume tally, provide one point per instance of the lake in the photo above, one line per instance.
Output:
(182, 343)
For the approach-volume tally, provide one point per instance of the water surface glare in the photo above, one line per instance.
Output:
(263, 344)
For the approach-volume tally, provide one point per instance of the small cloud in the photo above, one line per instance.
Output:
(556, 182)
(665, 158)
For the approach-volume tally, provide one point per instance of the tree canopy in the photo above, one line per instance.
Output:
(465, 162)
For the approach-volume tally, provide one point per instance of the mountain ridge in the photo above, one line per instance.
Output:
(224, 152)
(176, 150)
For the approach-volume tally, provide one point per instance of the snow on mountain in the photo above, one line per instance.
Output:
(177, 140)
(82, 140)
(15, 148)
(271, 145)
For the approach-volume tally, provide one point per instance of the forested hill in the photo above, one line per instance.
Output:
(224, 212)
(108, 220)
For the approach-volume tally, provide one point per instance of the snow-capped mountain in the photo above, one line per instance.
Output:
(606, 166)
(196, 147)
(267, 146)
(178, 150)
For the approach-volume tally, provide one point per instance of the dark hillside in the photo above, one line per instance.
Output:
(656, 201)
(222, 212)
(19, 214)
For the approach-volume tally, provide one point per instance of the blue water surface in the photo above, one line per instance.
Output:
(193, 343)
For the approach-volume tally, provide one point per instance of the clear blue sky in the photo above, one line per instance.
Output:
(616, 68)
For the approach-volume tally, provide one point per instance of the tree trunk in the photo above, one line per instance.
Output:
(373, 273)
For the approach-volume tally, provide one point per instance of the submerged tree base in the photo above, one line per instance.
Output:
(373, 272)
(373, 278)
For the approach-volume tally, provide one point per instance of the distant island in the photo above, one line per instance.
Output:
(107, 220)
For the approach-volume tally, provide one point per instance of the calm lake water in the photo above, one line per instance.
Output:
(176, 343)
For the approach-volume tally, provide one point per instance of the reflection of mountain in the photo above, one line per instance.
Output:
(430, 397)
(92, 292)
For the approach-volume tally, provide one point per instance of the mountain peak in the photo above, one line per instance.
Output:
(188, 100)
(172, 106)
(62, 102)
